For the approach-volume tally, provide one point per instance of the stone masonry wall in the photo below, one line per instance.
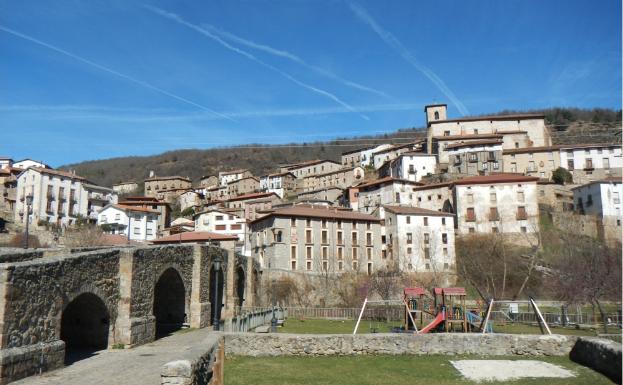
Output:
(255, 345)
(601, 355)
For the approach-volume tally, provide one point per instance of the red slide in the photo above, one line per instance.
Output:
(441, 316)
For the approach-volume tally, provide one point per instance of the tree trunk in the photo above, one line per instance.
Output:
(603, 315)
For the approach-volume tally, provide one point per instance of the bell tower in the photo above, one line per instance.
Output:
(435, 112)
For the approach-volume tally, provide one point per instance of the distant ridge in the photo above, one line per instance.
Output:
(567, 126)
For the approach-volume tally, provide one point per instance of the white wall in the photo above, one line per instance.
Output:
(597, 155)
(414, 167)
(143, 226)
(605, 197)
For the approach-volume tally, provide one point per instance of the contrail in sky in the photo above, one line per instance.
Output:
(205, 32)
(393, 42)
(111, 71)
(292, 57)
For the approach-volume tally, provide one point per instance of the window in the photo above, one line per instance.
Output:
(570, 164)
(325, 252)
(279, 236)
(615, 197)
(475, 131)
(117, 216)
(309, 265)
(354, 237)
(409, 238)
(369, 239)
(589, 163)
(340, 238)
(397, 197)
(340, 266)
(493, 214)
(293, 265)
(409, 250)
(494, 229)
(219, 217)
(355, 256)
(137, 230)
(444, 238)
(355, 265)
(368, 225)
(524, 229)
(446, 133)
(339, 224)
(520, 196)
(606, 162)
(308, 222)
(308, 252)
(496, 165)
(293, 252)
(471, 230)
(149, 232)
(340, 253)
(531, 166)
(436, 115)
(473, 157)
(425, 221)
(324, 223)
(308, 236)
(513, 167)
(493, 197)
(426, 238)
(445, 251)
(384, 254)
(521, 213)
(238, 226)
(293, 222)
(383, 239)
(369, 253)
(408, 219)
(324, 236)
(325, 265)
(220, 227)
(589, 200)
(470, 198)
(470, 216)
(443, 221)
(426, 253)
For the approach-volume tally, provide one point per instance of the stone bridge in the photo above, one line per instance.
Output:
(57, 309)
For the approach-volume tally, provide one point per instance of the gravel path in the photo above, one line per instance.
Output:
(506, 370)
(138, 366)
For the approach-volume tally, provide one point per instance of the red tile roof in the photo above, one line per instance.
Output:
(134, 208)
(175, 177)
(387, 179)
(493, 117)
(414, 291)
(409, 210)
(474, 143)
(315, 211)
(252, 196)
(496, 178)
(468, 136)
(64, 174)
(195, 236)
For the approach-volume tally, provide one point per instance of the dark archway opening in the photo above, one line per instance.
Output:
(169, 303)
(84, 327)
(240, 286)
(216, 295)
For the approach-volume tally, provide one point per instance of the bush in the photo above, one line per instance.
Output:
(562, 176)
(188, 212)
(18, 241)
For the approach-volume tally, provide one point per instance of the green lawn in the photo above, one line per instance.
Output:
(327, 326)
(368, 370)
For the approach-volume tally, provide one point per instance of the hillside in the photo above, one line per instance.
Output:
(567, 126)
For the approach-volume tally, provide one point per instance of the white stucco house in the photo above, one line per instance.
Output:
(140, 223)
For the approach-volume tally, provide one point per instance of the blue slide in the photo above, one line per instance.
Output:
(476, 320)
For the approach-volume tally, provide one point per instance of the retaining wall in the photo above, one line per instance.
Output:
(601, 355)
(256, 345)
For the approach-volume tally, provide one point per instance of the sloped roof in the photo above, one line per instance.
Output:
(409, 210)
(316, 211)
(495, 178)
(195, 236)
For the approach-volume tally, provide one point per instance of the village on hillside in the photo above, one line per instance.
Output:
(399, 206)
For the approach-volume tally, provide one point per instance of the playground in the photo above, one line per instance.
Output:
(401, 369)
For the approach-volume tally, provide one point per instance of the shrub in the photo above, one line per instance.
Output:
(562, 176)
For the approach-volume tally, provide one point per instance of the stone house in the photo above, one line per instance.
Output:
(328, 194)
(312, 167)
(475, 157)
(27, 163)
(189, 199)
(241, 202)
(420, 240)
(384, 191)
(157, 184)
(280, 183)
(533, 125)
(553, 197)
(498, 203)
(362, 157)
(342, 178)
(125, 187)
(381, 157)
(140, 223)
(436, 197)
(533, 161)
(208, 181)
(589, 162)
(226, 177)
(163, 208)
(243, 186)
(317, 240)
(410, 166)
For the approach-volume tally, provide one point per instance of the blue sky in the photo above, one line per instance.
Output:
(95, 79)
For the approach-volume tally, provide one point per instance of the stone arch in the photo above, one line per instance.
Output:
(169, 306)
(85, 326)
(216, 293)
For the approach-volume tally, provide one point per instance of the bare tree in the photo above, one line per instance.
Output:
(84, 236)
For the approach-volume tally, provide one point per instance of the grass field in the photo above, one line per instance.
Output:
(327, 326)
(369, 370)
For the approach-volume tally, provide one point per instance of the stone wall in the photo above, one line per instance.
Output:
(11, 254)
(196, 366)
(601, 355)
(442, 343)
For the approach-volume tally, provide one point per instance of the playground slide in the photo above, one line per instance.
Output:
(441, 316)
(476, 320)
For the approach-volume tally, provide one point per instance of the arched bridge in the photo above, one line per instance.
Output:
(54, 310)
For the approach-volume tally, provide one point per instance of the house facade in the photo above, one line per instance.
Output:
(589, 162)
(410, 166)
(155, 185)
(141, 224)
(342, 178)
(221, 222)
(362, 157)
(226, 177)
(125, 187)
(317, 240)
(280, 183)
(384, 191)
(475, 157)
(312, 167)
